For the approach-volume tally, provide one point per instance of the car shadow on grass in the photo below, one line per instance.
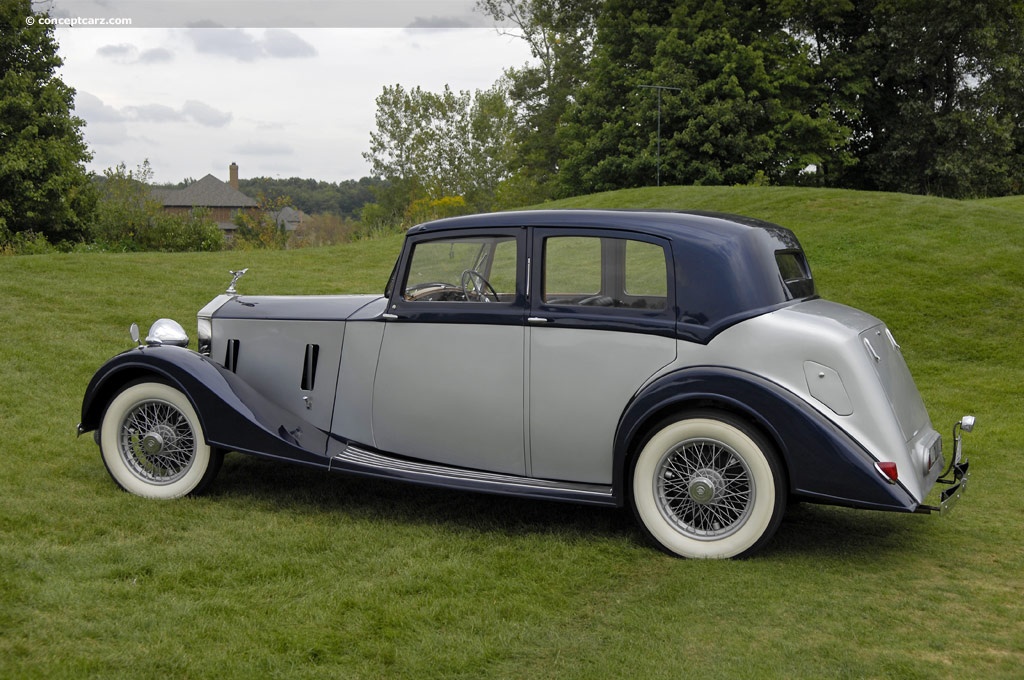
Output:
(294, 488)
(807, 530)
(811, 530)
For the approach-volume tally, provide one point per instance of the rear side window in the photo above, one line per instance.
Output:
(795, 273)
(593, 271)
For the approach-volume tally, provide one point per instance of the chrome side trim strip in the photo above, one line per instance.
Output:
(360, 461)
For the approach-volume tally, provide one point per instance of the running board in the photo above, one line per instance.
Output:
(357, 461)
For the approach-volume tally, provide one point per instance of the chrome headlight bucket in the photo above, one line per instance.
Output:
(167, 332)
(205, 335)
(204, 321)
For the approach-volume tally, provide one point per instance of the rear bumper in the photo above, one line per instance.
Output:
(957, 475)
(951, 496)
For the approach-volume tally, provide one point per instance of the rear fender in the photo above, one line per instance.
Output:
(234, 416)
(823, 462)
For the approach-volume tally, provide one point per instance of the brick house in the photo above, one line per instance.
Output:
(223, 200)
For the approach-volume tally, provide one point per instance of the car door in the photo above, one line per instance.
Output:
(602, 322)
(449, 381)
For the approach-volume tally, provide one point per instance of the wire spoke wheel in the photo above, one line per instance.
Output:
(704, 488)
(708, 485)
(152, 442)
(157, 442)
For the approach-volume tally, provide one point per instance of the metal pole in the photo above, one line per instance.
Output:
(659, 88)
(659, 138)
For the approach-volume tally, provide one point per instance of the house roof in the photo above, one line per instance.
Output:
(209, 192)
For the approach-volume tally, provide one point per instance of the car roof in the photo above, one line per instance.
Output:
(656, 222)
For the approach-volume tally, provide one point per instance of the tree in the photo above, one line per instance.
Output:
(560, 34)
(128, 218)
(44, 187)
(944, 112)
(260, 229)
(125, 207)
(695, 92)
(436, 146)
(344, 199)
(931, 90)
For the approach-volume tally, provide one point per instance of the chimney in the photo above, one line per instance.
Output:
(233, 176)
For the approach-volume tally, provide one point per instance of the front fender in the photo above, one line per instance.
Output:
(823, 462)
(234, 416)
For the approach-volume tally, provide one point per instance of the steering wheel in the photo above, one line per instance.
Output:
(482, 290)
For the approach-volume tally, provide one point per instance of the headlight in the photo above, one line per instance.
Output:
(167, 332)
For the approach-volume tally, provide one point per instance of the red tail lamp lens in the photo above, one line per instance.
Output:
(889, 471)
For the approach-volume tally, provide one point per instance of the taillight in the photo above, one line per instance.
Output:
(888, 471)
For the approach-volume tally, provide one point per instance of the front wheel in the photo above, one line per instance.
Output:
(152, 443)
(708, 485)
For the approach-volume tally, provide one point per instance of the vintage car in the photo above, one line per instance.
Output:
(680, 363)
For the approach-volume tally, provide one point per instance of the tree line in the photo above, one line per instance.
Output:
(916, 96)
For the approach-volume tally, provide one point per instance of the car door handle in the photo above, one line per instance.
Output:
(537, 319)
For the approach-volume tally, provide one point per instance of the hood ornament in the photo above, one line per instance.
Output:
(235, 275)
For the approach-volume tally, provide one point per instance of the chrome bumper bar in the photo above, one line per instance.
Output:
(957, 474)
(951, 496)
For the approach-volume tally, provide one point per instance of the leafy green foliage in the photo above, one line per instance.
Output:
(128, 218)
(324, 229)
(43, 184)
(259, 229)
(24, 243)
(915, 96)
(435, 145)
(560, 34)
(344, 199)
(698, 92)
(930, 89)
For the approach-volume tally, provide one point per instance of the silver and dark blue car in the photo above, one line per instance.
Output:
(680, 363)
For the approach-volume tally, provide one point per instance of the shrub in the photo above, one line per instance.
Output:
(325, 229)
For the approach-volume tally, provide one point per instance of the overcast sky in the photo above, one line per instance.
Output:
(280, 102)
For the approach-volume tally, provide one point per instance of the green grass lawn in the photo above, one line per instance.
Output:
(287, 572)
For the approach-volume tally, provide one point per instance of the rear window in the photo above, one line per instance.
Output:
(795, 273)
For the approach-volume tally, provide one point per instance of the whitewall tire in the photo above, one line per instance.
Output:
(708, 485)
(153, 445)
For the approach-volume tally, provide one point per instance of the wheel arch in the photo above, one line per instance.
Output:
(232, 414)
(820, 461)
(104, 388)
(652, 421)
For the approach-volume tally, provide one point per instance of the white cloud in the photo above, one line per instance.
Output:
(155, 56)
(283, 44)
(119, 51)
(91, 108)
(282, 103)
(236, 43)
(264, 149)
(204, 114)
(153, 113)
(127, 53)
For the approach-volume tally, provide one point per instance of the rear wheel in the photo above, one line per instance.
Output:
(708, 485)
(152, 443)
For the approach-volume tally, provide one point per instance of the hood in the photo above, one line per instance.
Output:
(294, 307)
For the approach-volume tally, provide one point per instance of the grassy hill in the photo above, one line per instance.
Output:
(287, 572)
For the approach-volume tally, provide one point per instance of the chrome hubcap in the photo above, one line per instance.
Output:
(157, 442)
(704, 489)
(152, 443)
(704, 485)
